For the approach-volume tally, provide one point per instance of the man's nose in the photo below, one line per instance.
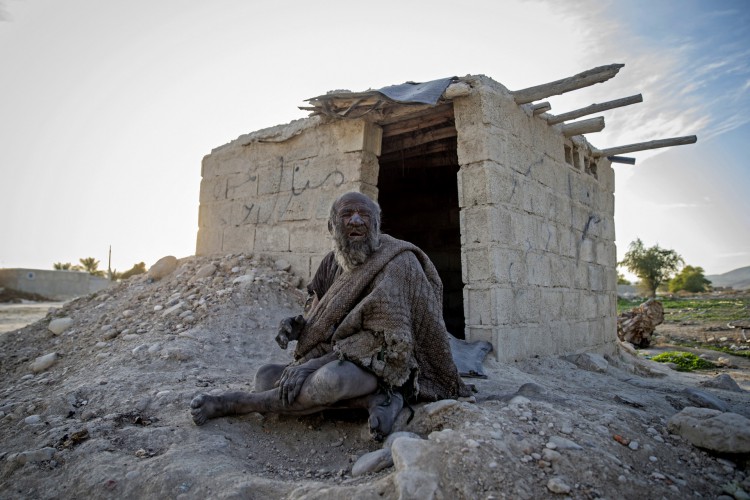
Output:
(356, 219)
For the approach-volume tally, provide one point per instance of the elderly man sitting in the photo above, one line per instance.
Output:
(374, 335)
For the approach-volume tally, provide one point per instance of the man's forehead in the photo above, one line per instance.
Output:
(354, 201)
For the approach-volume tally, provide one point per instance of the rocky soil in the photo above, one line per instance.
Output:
(94, 403)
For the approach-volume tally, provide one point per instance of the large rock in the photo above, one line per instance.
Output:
(713, 430)
(42, 363)
(589, 362)
(163, 267)
(59, 325)
(723, 381)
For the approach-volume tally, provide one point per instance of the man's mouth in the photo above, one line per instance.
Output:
(357, 235)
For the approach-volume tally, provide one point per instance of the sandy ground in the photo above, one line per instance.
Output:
(109, 418)
(15, 316)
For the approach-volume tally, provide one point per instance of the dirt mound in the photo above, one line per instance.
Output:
(106, 415)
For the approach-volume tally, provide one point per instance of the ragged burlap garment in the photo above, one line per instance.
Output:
(387, 317)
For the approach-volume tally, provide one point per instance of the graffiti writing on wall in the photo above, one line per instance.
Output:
(286, 189)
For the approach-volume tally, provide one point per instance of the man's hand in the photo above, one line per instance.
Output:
(291, 381)
(289, 329)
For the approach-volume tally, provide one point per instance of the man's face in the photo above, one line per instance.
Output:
(355, 229)
(355, 219)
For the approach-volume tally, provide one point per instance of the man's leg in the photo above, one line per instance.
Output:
(333, 383)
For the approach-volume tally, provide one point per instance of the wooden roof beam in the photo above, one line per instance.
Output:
(642, 146)
(579, 81)
(542, 107)
(417, 139)
(583, 127)
(595, 108)
(621, 159)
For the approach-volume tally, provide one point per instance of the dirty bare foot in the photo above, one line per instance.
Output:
(383, 414)
(204, 407)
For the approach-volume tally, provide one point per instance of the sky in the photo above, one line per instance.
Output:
(107, 108)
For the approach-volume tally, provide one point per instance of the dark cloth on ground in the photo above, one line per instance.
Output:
(386, 316)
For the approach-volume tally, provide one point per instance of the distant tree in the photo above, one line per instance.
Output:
(653, 265)
(690, 279)
(59, 266)
(139, 268)
(91, 266)
(621, 279)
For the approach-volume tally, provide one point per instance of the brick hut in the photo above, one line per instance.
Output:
(512, 204)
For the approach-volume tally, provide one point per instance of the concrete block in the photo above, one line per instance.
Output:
(213, 189)
(326, 197)
(504, 307)
(476, 334)
(310, 238)
(477, 306)
(510, 343)
(588, 305)
(215, 214)
(571, 304)
(271, 239)
(528, 303)
(561, 272)
(596, 278)
(552, 305)
(537, 199)
(525, 231)
(259, 210)
(586, 250)
(299, 206)
(209, 240)
(580, 270)
(238, 239)
(485, 224)
(517, 155)
(478, 143)
(509, 265)
(549, 237)
(566, 241)
(538, 268)
(487, 182)
(274, 176)
(242, 186)
(603, 305)
(475, 265)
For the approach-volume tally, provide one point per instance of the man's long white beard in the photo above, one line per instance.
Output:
(350, 254)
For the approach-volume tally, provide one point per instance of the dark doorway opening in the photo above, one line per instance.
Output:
(418, 193)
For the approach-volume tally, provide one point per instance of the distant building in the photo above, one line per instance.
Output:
(54, 285)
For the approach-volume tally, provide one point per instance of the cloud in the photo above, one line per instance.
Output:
(693, 82)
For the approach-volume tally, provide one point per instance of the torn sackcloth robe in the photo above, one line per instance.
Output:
(386, 316)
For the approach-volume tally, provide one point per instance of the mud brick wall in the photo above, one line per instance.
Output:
(537, 231)
(270, 191)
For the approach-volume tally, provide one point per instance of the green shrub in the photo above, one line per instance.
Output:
(685, 361)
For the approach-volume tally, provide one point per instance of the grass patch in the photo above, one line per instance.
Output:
(745, 353)
(679, 310)
(685, 361)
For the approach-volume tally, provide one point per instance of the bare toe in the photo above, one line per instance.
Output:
(203, 407)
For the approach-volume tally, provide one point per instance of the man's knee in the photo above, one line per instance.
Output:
(267, 376)
(342, 380)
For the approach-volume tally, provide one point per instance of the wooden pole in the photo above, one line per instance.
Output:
(642, 146)
(579, 81)
(583, 127)
(540, 108)
(621, 159)
(595, 108)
